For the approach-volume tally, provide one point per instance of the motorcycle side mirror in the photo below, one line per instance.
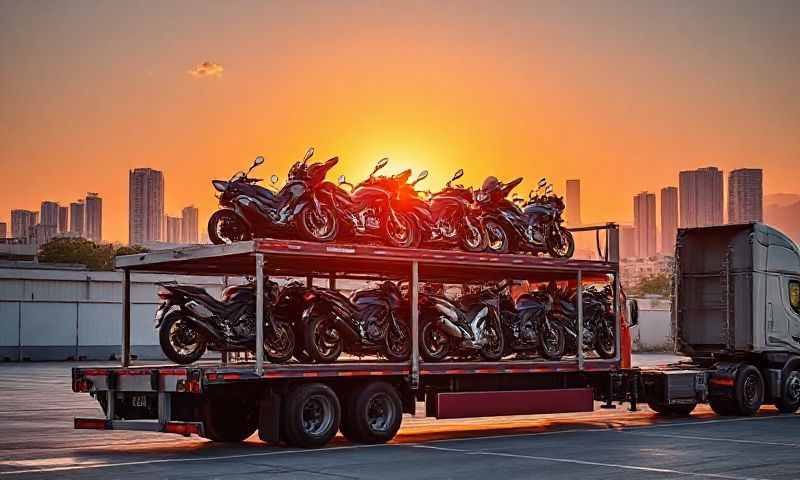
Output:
(342, 179)
(422, 176)
(273, 179)
(549, 190)
(381, 163)
(258, 161)
(542, 182)
(459, 173)
(309, 154)
(633, 307)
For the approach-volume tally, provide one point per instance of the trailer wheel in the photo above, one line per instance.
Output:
(790, 395)
(672, 410)
(749, 390)
(372, 414)
(311, 415)
(227, 420)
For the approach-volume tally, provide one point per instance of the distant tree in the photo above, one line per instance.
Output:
(658, 284)
(84, 252)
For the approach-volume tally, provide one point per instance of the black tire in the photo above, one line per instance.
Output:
(434, 345)
(392, 234)
(724, 407)
(323, 343)
(311, 415)
(604, 341)
(790, 394)
(372, 414)
(310, 225)
(749, 390)
(552, 341)
(497, 240)
(672, 410)
(281, 346)
(397, 342)
(225, 226)
(228, 419)
(494, 351)
(173, 335)
(472, 237)
(563, 249)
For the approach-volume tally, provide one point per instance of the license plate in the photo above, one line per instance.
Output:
(138, 401)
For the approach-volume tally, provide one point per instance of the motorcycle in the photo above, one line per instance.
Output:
(598, 319)
(386, 209)
(455, 221)
(289, 309)
(249, 210)
(447, 328)
(366, 323)
(534, 228)
(527, 323)
(189, 321)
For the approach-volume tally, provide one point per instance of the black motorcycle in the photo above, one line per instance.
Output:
(527, 324)
(450, 329)
(189, 321)
(534, 228)
(381, 208)
(598, 318)
(249, 210)
(455, 220)
(366, 323)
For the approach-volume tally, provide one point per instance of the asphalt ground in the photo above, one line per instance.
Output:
(37, 441)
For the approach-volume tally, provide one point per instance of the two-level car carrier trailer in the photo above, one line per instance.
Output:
(306, 404)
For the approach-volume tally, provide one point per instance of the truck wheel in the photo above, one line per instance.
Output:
(226, 420)
(372, 414)
(672, 410)
(311, 415)
(790, 399)
(749, 390)
(724, 407)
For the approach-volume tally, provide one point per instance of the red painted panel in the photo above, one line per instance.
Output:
(517, 402)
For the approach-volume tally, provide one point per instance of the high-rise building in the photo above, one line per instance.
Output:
(189, 224)
(63, 219)
(173, 229)
(3, 230)
(42, 233)
(76, 217)
(701, 197)
(627, 241)
(94, 217)
(146, 205)
(573, 202)
(745, 196)
(22, 222)
(669, 219)
(644, 220)
(48, 213)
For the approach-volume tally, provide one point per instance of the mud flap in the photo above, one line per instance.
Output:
(269, 418)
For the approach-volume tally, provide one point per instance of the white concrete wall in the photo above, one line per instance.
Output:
(654, 332)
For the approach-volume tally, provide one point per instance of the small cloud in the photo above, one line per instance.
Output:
(207, 69)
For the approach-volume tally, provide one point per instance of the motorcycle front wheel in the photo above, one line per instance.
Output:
(472, 236)
(398, 342)
(401, 233)
(552, 340)
(434, 344)
(322, 226)
(604, 341)
(180, 339)
(493, 349)
(561, 244)
(279, 345)
(225, 226)
(323, 342)
(497, 238)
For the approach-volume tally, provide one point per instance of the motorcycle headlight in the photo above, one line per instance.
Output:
(220, 185)
(297, 189)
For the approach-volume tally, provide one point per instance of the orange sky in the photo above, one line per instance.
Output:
(620, 95)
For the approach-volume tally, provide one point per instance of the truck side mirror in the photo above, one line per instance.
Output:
(633, 307)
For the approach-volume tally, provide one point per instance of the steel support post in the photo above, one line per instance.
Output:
(414, 296)
(259, 314)
(309, 281)
(332, 281)
(126, 318)
(617, 316)
(579, 340)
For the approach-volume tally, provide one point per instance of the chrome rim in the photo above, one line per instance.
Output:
(472, 236)
(434, 340)
(229, 229)
(793, 388)
(317, 415)
(397, 340)
(319, 225)
(326, 338)
(751, 390)
(497, 236)
(400, 230)
(183, 338)
(561, 243)
(381, 413)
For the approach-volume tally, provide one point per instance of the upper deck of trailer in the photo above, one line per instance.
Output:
(294, 258)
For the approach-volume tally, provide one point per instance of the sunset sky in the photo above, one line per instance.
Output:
(622, 95)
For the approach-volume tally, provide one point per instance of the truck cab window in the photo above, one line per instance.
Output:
(794, 295)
